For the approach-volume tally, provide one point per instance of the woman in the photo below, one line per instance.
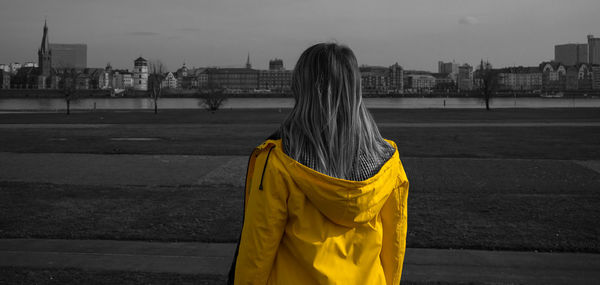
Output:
(325, 198)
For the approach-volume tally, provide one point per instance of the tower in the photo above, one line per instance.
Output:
(248, 65)
(140, 74)
(593, 50)
(45, 54)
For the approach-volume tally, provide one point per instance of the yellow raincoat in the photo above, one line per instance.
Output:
(304, 227)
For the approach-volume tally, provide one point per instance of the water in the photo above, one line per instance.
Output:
(58, 104)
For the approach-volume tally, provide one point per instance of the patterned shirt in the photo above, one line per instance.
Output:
(367, 166)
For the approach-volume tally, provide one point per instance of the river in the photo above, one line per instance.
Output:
(58, 104)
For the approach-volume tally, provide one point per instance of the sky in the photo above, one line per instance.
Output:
(415, 33)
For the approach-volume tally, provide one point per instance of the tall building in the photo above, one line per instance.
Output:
(465, 77)
(593, 50)
(571, 54)
(276, 64)
(595, 77)
(140, 74)
(69, 55)
(447, 67)
(45, 54)
(396, 79)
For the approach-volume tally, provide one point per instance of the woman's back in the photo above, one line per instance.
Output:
(311, 228)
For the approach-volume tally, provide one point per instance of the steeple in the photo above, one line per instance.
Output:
(248, 65)
(45, 54)
(45, 46)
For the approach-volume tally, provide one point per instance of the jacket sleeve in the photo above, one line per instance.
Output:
(394, 220)
(265, 218)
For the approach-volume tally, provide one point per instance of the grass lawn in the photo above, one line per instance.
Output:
(237, 132)
(528, 218)
(499, 209)
(237, 139)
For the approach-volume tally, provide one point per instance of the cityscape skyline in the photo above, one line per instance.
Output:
(463, 31)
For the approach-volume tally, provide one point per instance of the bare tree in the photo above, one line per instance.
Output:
(213, 96)
(487, 80)
(156, 74)
(69, 86)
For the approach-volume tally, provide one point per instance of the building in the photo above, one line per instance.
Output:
(44, 60)
(202, 77)
(520, 78)
(140, 74)
(595, 77)
(233, 79)
(593, 50)
(4, 67)
(465, 77)
(448, 68)
(420, 82)
(45, 54)
(4, 79)
(276, 64)
(186, 78)
(374, 79)
(69, 55)
(14, 67)
(169, 81)
(571, 54)
(395, 79)
(554, 75)
(578, 78)
(277, 80)
(444, 82)
(122, 79)
(105, 81)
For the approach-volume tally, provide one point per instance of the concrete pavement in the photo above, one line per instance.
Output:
(420, 265)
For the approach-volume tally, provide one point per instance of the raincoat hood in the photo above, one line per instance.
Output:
(344, 202)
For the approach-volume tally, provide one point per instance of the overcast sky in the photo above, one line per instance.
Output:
(414, 33)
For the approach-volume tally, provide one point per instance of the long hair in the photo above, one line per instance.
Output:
(329, 121)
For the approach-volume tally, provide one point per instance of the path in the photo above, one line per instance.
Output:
(420, 265)
(274, 125)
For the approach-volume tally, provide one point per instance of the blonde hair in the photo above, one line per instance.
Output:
(329, 121)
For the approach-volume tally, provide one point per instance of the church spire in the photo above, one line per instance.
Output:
(248, 65)
(44, 53)
(45, 46)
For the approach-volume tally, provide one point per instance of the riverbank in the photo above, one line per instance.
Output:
(94, 104)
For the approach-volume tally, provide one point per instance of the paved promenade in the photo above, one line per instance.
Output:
(274, 125)
(420, 265)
